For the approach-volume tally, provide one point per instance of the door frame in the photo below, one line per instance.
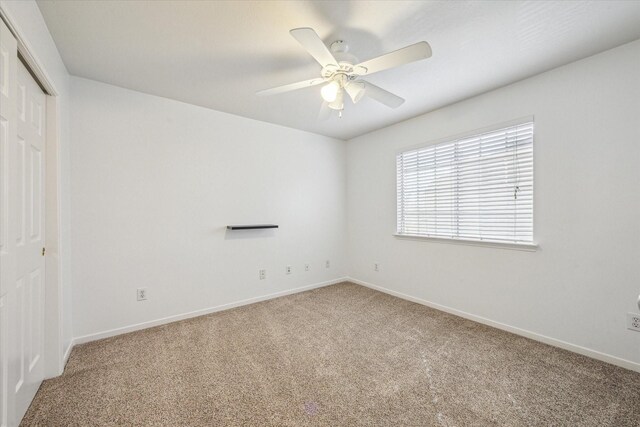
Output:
(55, 356)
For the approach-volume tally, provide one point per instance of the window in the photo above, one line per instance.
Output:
(474, 188)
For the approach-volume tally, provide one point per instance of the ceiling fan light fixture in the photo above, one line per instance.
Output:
(356, 91)
(330, 91)
(338, 103)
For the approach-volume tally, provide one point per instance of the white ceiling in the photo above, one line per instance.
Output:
(218, 54)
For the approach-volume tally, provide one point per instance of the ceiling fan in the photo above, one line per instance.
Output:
(341, 72)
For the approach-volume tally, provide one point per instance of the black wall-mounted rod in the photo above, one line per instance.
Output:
(251, 227)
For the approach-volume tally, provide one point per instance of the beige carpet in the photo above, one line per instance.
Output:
(336, 356)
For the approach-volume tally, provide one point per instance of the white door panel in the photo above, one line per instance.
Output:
(22, 109)
(29, 242)
(8, 132)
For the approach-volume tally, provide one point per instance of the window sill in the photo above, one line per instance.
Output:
(528, 247)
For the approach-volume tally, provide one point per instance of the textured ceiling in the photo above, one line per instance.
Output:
(218, 54)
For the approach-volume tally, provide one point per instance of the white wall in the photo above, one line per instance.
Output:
(155, 182)
(28, 20)
(585, 277)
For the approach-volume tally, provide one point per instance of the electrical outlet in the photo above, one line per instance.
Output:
(307, 267)
(142, 294)
(262, 274)
(375, 267)
(327, 264)
(633, 321)
(288, 270)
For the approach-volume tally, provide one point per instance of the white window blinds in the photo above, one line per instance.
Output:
(474, 188)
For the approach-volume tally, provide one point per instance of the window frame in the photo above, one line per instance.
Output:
(522, 246)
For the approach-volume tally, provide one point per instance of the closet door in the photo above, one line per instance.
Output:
(8, 260)
(22, 136)
(29, 239)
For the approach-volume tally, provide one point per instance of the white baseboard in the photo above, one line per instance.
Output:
(67, 353)
(144, 325)
(627, 364)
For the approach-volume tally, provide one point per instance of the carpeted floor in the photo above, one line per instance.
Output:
(336, 356)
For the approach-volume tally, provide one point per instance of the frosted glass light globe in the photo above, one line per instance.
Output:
(330, 92)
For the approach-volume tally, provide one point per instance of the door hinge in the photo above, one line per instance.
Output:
(43, 251)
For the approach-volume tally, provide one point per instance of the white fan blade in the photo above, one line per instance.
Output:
(290, 87)
(382, 96)
(313, 44)
(415, 52)
(325, 111)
